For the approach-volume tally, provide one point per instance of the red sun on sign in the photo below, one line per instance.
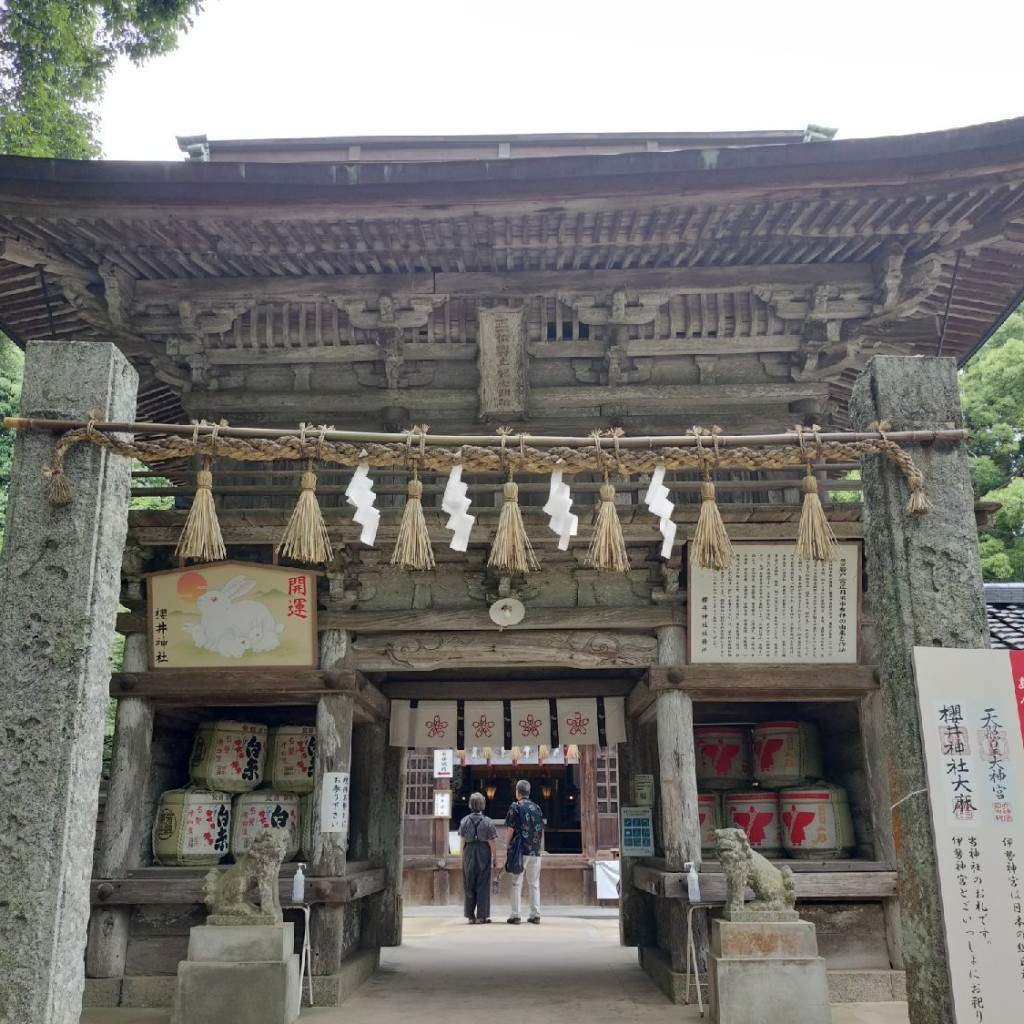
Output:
(191, 585)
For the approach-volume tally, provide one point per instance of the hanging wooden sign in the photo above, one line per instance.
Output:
(232, 615)
(772, 606)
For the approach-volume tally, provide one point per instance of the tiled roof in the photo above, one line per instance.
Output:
(1004, 604)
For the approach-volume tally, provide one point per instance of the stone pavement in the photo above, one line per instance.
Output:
(571, 962)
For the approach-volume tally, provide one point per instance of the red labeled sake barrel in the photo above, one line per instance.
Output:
(191, 828)
(723, 756)
(251, 813)
(709, 815)
(786, 753)
(816, 822)
(228, 756)
(757, 813)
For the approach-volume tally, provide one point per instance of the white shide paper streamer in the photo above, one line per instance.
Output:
(360, 493)
(563, 522)
(456, 504)
(657, 500)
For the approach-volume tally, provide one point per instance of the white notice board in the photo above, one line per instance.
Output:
(771, 606)
(334, 802)
(972, 720)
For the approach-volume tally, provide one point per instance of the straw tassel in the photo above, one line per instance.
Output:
(512, 551)
(607, 547)
(814, 539)
(58, 490)
(711, 548)
(918, 505)
(305, 537)
(412, 549)
(201, 539)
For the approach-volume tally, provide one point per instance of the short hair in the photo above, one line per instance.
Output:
(522, 788)
(477, 802)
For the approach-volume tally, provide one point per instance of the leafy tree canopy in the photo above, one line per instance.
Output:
(992, 393)
(55, 56)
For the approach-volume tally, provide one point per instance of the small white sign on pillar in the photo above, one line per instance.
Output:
(442, 803)
(444, 764)
(334, 802)
(643, 790)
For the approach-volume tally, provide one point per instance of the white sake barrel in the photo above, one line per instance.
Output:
(709, 815)
(816, 822)
(786, 753)
(756, 812)
(192, 828)
(291, 757)
(251, 813)
(723, 756)
(228, 756)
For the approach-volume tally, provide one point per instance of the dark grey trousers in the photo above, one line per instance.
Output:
(476, 880)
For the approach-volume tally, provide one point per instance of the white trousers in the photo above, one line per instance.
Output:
(531, 872)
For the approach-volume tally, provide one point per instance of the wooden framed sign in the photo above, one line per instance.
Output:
(232, 615)
(771, 606)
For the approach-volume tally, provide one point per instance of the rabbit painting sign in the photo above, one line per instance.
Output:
(232, 615)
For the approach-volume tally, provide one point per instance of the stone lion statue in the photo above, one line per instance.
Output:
(774, 888)
(227, 891)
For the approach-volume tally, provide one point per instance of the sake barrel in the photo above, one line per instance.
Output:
(756, 812)
(816, 822)
(709, 815)
(786, 753)
(251, 813)
(228, 756)
(192, 828)
(722, 755)
(291, 756)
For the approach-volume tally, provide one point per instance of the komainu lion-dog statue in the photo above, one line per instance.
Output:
(774, 888)
(227, 891)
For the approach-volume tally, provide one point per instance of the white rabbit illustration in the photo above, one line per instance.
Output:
(231, 627)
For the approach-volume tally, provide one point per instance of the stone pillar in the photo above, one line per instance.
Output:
(333, 754)
(59, 583)
(120, 843)
(924, 576)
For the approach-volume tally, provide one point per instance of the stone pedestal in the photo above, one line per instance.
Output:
(239, 972)
(766, 972)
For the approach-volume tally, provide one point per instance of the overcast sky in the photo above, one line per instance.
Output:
(293, 68)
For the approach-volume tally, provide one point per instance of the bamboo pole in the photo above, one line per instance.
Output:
(484, 440)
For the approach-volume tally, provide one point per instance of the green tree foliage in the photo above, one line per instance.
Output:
(992, 393)
(55, 56)
(11, 365)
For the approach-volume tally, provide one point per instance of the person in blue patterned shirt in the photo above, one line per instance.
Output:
(525, 823)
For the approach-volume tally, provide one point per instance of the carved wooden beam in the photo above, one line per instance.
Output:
(677, 281)
(25, 255)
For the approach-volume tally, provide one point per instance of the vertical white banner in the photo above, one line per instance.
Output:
(972, 722)
(334, 802)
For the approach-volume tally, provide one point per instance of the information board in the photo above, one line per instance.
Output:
(771, 606)
(972, 718)
(637, 838)
(334, 802)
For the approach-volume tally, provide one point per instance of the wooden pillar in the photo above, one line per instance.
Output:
(677, 795)
(924, 580)
(588, 801)
(382, 912)
(442, 877)
(121, 842)
(636, 920)
(60, 573)
(333, 754)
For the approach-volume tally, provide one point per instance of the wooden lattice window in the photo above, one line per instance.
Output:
(607, 770)
(419, 786)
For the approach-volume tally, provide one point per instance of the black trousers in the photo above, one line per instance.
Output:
(476, 880)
